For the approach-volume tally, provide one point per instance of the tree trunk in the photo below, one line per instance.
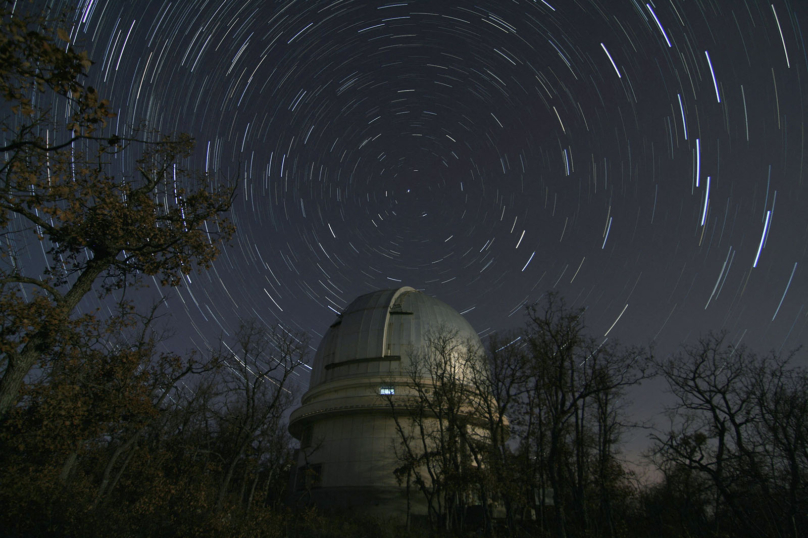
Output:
(580, 465)
(111, 465)
(252, 491)
(20, 364)
(243, 487)
(68, 466)
(228, 477)
(18, 367)
(268, 484)
(119, 474)
(408, 500)
(107, 474)
(556, 482)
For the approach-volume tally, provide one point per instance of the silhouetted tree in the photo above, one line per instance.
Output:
(738, 421)
(58, 186)
(442, 439)
(256, 394)
(569, 373)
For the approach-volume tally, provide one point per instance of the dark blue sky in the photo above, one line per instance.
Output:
(645, 160)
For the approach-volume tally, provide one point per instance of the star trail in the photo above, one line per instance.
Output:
(647, 160)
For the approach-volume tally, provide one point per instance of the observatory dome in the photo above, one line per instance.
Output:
(383, 327)
(360, 382)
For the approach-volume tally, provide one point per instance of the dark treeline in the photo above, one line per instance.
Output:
(734, 459)
(110, 437)
(530, 428)
(104, 434)
(534, 431)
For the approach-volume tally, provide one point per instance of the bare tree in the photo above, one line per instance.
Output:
(782, 398)
(442, 438)
(258, 392)
(534, 422)
(568, 369)
(739, 419)
(499, 383)
(161, 375)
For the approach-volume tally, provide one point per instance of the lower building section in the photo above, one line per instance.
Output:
(386, 503)
(349, 462)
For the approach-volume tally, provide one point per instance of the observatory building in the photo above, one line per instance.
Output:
(345, 424)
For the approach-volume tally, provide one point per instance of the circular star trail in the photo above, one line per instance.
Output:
(646, 160)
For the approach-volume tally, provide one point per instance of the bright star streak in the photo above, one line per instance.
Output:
(611, 60)
(659, 24)
(715, 82)
(607, 234)
(762, 237)
(682, 108)
(615, 321)
(777, 20)
(528, 262)
(706, 201)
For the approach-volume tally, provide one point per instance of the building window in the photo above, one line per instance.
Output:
(387, 390)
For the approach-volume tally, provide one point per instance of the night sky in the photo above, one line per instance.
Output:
(647, 161)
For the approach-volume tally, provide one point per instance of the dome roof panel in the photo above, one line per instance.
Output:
(361, 333)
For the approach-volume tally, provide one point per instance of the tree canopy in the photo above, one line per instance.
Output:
(106, 207)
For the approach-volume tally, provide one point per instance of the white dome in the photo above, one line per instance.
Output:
(384, 324)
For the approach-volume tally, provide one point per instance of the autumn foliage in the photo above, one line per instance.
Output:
(108, 208)
(121, 439)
